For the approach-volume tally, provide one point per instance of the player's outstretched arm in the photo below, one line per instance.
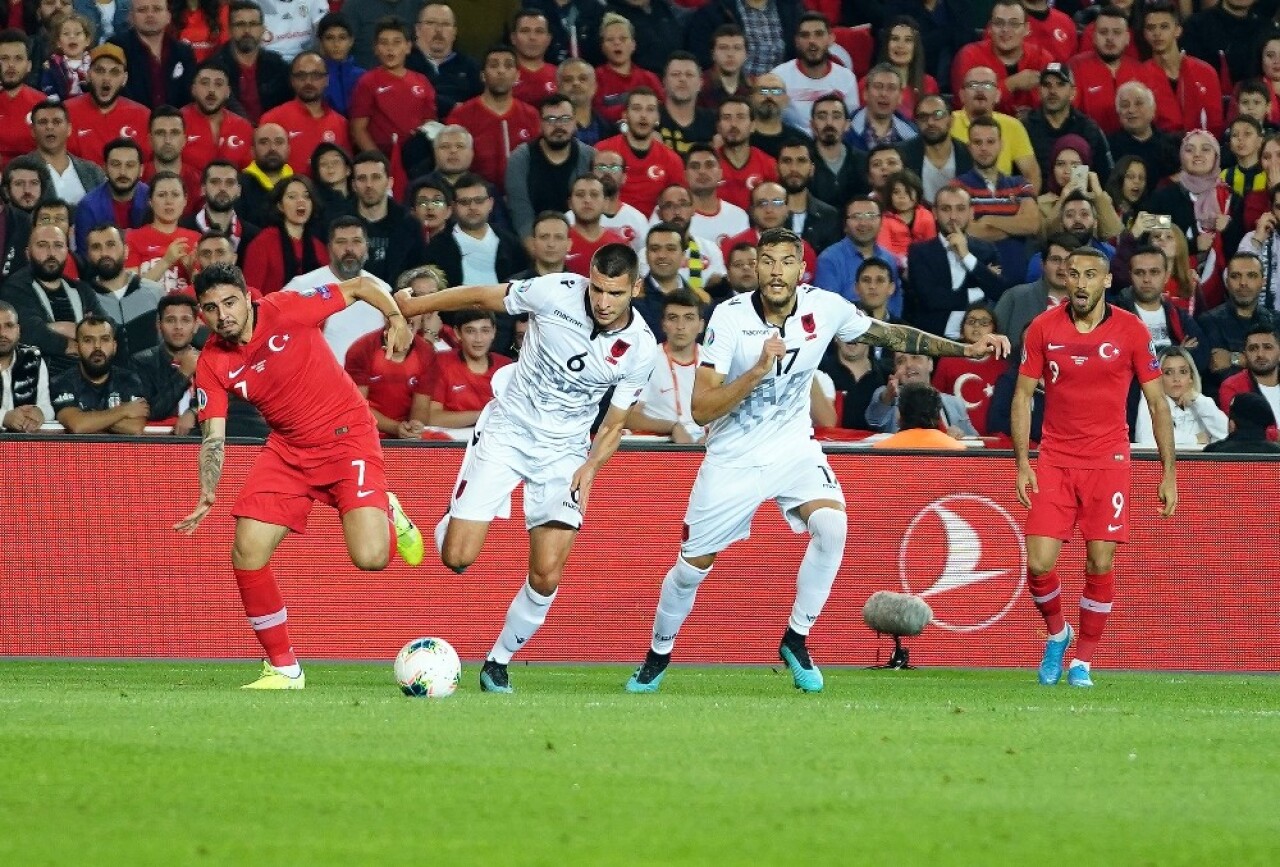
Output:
(904, 338)
(607, 440)
(1162, 426)
(458, 298)
(399, 335)
(212, 452)
(1020, 432)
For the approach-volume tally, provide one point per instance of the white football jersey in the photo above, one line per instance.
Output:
(774, 415)
(566, 365)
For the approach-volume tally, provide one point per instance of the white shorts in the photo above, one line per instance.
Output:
(497, 461)
(725, 499)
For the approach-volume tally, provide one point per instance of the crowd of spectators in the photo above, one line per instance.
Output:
(939, 170)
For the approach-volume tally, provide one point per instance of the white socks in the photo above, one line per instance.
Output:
(828, 529)
(528, 611)
(679, 589)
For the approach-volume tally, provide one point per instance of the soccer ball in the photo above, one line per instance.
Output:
(428, 667)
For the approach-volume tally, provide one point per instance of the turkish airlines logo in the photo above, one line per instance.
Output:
(964, 553)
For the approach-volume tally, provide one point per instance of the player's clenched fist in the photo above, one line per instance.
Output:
(991, 344)
(774, 348)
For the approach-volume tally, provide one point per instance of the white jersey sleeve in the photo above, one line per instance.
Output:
(721, 343)
(542, 295)
(855, 325)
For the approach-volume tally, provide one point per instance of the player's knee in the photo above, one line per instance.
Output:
(456, 557)
(544, 581)
(1098, 564)
(1038, 566)
(829, 528)
(371, 559)
(244, 556)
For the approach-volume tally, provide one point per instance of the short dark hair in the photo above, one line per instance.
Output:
(725, 30)
(210, 65)
(556, 98)
(1149, 250)
(29, 163)
(862, 198)
(1245, 254)
(48, 105)
(165, 176)
(1110, 11)
(544, 216)
(348, 221)
(919, 405)
(642, 90)
(93, 319)
(215, 235)
(988, 121)
(814, 16)
(700, 147)
(1079, 196)
(829, 97)
(498, 49)
(217, 164)
(472, 314)
(663, 228)
(104, 227)
(682, 298)
(617, 260)
(678, 54)
(780, 235)
(333, 21)
(1259, 328)
(1092, 253)
(426, 183)
(1253, 85)
(1251, 122)
(731, 100)
(177, 299)
(122, 143)
(243, 6)
(219, 275)
(466, 180)
(13, 36)
(392, 22)
(163, 111)
(373, 155)
(1065, 240)
(985, 308)
(872, 262)
(50, 205)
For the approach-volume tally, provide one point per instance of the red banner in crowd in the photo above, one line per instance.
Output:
(92, 567)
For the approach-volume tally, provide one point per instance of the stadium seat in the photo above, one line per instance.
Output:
(860, 44)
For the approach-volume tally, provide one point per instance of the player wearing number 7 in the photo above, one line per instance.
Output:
(1087, 353)
(752, 389)
(583, 338)
(323, 444)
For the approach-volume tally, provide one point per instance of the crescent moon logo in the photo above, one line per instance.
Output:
(1059, 34)
(1108, 351)
(234, 141)
(753, 181)
(656, 173)
(271, 344)
(418, 90)
(329, 136)
(958, 389)
(128, 132)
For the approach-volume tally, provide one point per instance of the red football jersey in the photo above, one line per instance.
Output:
(534, 85)
(739, 182)
(146, 244)
(457, 388)
(612, 88)
(16, 137)
(234, 141)
(391, 384)
(287, 371)
(1086, 383)
(645, 177)
(395, 105)
(91, 128)
(496, 136)
(578, 261)
(306, 133)
(972, 381)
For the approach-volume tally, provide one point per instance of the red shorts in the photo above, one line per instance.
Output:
(1095, 499)
(285, 481)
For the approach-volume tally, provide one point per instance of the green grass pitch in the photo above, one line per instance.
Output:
(169, 763)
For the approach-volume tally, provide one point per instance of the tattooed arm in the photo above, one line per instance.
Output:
(212, 452)
(904, 338)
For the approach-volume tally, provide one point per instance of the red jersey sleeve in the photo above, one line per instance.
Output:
(211, 397)
(1033, 350)
(1146, 366)
(310, 307)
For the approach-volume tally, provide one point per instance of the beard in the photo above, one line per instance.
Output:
(107, 268)
(95, 368)
(794, 184)
(48, 269)
(121, 190)
(934, 137)
(348, 267)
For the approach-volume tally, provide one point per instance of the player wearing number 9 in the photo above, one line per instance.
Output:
(323, 445)
(1088, 353)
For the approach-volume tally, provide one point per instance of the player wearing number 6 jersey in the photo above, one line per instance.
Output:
(752, 389)
(323, 444)
(1087, 353)
(583, 338)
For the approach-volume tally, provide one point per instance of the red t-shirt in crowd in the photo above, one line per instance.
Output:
(581, 250)
(16, 137)
(612, 88)
(91, 128)
(233, 142)
(250, 99)
(496, 135)
(306, 133)
(645, 175)
(146, 244)
(457, 388)
(287, 371)
(391, 384)
(395, 105)
(533, 85)
(1086, 383)
(739, 182)
(971, 380)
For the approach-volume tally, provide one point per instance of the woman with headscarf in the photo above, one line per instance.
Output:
(1199, 203)
(1069, 153)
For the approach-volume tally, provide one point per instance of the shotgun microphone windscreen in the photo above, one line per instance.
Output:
(896, 613)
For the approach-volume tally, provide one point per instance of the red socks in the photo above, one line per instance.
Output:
(1095, 607)
(1046, 593)
(265, 609)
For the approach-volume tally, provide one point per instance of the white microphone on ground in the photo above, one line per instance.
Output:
(896, 614)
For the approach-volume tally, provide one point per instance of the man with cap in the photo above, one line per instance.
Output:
(1017, 60)
(1057, 117)
(1249, 421)
(102, 114)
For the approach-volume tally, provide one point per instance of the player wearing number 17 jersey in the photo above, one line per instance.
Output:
(752, 389)
(583, 338)
(1087, 353)
(323, 444)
